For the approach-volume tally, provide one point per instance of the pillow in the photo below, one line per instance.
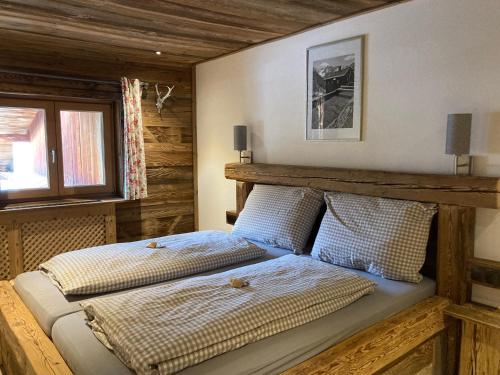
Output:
(386, 237)
(279, 215)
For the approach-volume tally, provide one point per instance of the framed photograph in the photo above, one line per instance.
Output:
(334, 90)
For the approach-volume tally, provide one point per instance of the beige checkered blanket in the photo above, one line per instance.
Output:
(167, 328)
(125, 265)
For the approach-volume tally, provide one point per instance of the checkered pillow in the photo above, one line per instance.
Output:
(386, 237)
(279, 215)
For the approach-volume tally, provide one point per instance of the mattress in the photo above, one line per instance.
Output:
(47, 303)
(86, 355)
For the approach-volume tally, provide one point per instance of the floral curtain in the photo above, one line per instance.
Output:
(135, 163)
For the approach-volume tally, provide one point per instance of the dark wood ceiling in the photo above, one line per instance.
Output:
(74, 35)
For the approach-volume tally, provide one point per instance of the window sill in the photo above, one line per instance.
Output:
(58, 203)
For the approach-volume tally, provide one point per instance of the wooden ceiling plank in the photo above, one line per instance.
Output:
(277, 11)
(340, 7)
(123, 16)
(15, 40)
(25, 20)
(101, 37)
(210, 15)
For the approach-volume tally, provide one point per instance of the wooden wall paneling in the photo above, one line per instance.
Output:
(170, 206)
(35, 84)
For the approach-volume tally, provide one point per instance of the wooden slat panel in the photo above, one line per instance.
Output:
(149, 228)
(461, 190)
(169, 208)
(380, 345)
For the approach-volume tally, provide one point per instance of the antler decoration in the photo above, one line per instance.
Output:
(160, 99)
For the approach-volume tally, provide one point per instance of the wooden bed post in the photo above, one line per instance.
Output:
(455, 245)
(243, 189)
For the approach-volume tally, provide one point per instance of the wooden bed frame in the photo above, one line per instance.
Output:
(387, 346)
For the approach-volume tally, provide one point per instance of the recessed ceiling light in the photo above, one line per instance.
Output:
(158, 52)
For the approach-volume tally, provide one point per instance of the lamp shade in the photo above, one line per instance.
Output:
(240, 137)
(458, 134)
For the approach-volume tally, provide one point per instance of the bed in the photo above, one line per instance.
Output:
(376, 344)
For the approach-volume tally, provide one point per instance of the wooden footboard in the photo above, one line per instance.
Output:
(24, 347)
(382, 344)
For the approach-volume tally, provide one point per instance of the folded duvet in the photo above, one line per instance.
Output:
(125, 265)
(167, 328)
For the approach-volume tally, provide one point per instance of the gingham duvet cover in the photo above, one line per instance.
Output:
(167, 328)
(125, 265)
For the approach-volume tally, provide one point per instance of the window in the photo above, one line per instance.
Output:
(55, 149)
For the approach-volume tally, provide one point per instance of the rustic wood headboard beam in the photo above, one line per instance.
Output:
(468, 191)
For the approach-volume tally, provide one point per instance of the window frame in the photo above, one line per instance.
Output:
(109, 186)
(52, 190)
(56, 189)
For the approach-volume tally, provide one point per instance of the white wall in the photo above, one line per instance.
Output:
(424, 59)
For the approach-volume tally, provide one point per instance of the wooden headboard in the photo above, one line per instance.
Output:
(457, 198)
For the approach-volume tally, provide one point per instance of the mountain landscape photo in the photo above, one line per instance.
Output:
(333, 93)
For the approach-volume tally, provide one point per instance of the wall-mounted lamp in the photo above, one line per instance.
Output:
(240, 143)
(458, 141)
